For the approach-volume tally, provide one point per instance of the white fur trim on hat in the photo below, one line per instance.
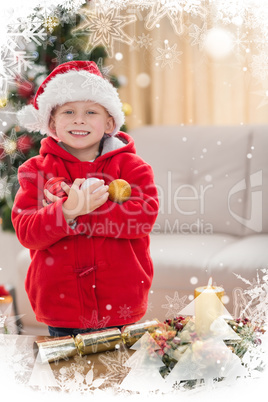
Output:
(70, 87)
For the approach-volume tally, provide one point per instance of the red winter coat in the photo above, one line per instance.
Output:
(99, 273)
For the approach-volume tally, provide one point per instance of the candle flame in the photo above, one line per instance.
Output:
(210, 282)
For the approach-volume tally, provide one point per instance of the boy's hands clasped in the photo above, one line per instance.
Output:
(80, 201)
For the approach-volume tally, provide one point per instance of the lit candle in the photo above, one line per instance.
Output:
(208, 307)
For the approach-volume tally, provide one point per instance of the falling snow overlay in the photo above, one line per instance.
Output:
(30, 24)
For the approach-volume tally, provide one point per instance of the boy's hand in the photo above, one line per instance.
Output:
(83, 201)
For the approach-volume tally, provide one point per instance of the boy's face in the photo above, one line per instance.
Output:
(81, 125)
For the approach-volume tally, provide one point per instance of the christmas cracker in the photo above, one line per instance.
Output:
(54, 349)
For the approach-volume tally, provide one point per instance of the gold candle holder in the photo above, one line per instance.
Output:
(55, 349)
(132, 333)
(97, 341)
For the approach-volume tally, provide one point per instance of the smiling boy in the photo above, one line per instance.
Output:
(90, 259)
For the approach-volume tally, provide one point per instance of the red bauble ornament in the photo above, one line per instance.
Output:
(53, 185)
(25, 89)
(24, 143)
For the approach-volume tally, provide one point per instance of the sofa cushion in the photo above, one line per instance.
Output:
(257, 183)
(198, 171)
(184, 262)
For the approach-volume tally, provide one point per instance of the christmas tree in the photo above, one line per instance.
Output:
(54, 44)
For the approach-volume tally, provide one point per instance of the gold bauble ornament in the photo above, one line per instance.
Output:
(119, 191)
(127, 109)
(3, 102)
(10, 146)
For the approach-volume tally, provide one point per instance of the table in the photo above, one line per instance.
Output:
(99, 373)
(78, 373)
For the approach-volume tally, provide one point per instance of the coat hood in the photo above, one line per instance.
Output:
(121, 142)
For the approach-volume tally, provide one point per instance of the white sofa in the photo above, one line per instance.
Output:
(213, 220)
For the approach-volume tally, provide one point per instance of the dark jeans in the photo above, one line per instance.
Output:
(55, 331)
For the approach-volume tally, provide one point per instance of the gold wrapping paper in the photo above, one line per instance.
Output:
(131, 333)
(97, 341)
(55, 349)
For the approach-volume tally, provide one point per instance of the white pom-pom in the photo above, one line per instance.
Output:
(29, 118)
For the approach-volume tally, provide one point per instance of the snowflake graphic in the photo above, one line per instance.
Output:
(4, 187)
(18, 61)
(114, 362)
(16, 358)
(144, 41)
(124, 312)
(257, 293)
(148, 306)
(196, 8)
(3, 166)
(175, 304)
(95, 83)
(94, 322)
(49, 42)
(64, 91)
(77, 376)
(9, 146)
(241, 40)
(104, 27)
(73, 5)
(259, 65)
(50, 23)
(199, 35)
(167, 8)
(105, 70)
(32, 31)
(264, 97)
(64, 54)
(168, 55)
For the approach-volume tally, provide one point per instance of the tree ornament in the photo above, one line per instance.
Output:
(10, 146)
(3, 102)
(25, 89)
(53, 185)
(24, 143)
(127, 109)
(119, 191)
(88, 182)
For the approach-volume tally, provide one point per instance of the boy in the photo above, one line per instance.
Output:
(90, 261)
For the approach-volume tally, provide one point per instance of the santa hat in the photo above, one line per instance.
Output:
(70, 82)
